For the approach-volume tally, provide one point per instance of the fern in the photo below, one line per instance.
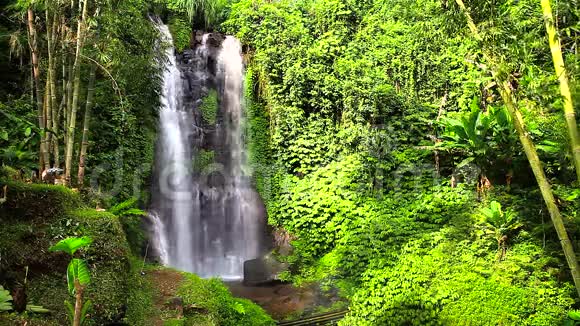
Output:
(5, 300)
(129, 203)
(127, 208)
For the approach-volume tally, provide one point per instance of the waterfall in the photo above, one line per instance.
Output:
(211, 221)
(174, 156)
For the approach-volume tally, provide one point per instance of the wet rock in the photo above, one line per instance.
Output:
(215, 39)
(263, 270)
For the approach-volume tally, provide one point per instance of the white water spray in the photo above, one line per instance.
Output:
(207, 229)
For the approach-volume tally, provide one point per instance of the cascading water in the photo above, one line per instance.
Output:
(198, 224)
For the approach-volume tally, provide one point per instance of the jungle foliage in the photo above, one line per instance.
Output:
(385, 138)
(114, 110)
(393, 162)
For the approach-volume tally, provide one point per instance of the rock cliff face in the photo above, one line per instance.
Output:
(198, 66)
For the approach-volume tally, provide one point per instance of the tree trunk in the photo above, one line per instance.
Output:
(562, 75)
(85, 141)
(531, 154)
(75, 95)
(61, 107)
(44, 161)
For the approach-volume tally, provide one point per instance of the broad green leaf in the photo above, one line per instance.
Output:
(71, 245)
(77, 271)
(70, 309)
(465, 162)
(574, 315)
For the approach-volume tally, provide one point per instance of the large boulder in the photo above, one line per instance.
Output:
(263, 270)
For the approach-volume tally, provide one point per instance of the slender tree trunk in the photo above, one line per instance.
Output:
(562, 75)
(79, 289)
(75, 96)
(532, 155)
(44, 160)
(61, 107)
(85, 141)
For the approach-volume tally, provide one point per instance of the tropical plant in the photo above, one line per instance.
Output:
(131, 220)
(5, 300)
(211, 12)
(476, 132)
(77, 276)
(469, 132)
(18, 157)
(510, 101)
(502, 224)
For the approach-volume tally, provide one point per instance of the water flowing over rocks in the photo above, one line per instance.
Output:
(207, 219)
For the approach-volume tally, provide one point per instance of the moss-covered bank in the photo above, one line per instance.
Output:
(35, 216)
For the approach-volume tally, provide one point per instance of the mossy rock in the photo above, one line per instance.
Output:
(37, 201)
(36, 217)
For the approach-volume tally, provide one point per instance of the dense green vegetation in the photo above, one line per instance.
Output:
(29, 229)
(397, 144)
(35, 217)
(222, 309)
(392, 147)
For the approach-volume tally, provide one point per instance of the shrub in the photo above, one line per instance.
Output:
(213, 296)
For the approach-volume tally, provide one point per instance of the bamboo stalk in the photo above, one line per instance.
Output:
(48, 116)
(43, 160)
(75, 96)
(86, 124)
(51, 32)
(69, 97)
(562, 75)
